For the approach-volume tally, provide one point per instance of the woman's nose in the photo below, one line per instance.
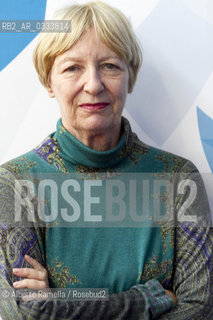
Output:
(93, 81)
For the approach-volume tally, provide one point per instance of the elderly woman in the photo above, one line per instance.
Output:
(90, 71)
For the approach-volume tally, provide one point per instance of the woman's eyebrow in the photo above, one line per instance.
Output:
(79, 59)
(110, 57)
(69, 59)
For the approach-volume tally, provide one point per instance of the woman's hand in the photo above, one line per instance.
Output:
(36, 278)
(171, 295)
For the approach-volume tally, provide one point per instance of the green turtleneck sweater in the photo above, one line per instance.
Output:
(81, 247)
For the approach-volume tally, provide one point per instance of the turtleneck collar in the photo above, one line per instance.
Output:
(75, 152)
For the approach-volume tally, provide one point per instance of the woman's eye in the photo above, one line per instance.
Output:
(110, 66)
(72, 68)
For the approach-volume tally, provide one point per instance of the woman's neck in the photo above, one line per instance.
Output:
(98, 141)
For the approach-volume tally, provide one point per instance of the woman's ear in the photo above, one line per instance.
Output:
(49, 86)
(50, 92)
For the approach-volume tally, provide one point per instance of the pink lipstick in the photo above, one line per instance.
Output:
(94, 106)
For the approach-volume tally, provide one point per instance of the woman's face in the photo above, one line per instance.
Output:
(90, 83)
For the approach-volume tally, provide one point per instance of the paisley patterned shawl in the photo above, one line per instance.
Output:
(189, 273)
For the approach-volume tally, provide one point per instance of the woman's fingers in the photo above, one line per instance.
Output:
(29, 273)
(171, 295)
(30, 284)
(38, 272)
(35, 278)
(34, 263)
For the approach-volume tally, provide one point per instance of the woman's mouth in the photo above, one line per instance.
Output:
(94, 106)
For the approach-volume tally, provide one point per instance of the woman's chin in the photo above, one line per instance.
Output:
(97, 124)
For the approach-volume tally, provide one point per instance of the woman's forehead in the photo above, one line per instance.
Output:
(89, 45)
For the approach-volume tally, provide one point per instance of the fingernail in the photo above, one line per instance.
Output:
(28, 257)
(15, 270)
(16, 284)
